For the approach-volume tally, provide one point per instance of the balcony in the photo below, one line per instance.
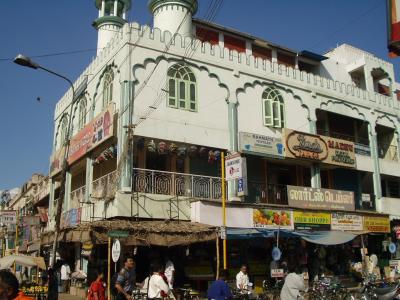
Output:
(176, 184)
(77, 196)
(361, 145)
(105, 187)
(388, 152)
(259, 192)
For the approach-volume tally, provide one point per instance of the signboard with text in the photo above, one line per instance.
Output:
(319, 148)
(8, 217)
(311, 220)
(377, 224)
(343, 222)
(310, 198)
(261, 144)
(94, 133)
(235, 167)
(269, 218)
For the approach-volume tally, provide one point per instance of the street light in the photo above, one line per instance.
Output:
(27, 62)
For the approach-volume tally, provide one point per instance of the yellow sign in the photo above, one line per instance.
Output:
(377, 224)
(311, 220)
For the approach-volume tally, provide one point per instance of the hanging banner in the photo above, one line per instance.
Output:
(89, 137)
(310, 198)
(273, 219)
(260, 144)
(377, 224)
(311, 220)
(319, 148)
(343, 222)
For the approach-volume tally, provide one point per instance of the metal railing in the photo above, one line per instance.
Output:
(176, 184)
(77, 196)
(388, 152)
(105, 187)
(259, 192)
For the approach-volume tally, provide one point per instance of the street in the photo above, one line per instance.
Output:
(69, 297)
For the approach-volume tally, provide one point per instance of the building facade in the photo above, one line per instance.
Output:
(157, 106)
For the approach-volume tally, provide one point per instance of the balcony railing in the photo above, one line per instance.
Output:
(77, 196)
(260, 192)
(388, 152)
(105, 187)
(176, 184)
(347, 137)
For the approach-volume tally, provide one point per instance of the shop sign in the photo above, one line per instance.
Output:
(377, 224)
(362, 149)
(116, 251)
(310, 198)
(311, 220)
(277, 273)
(273, 219)
(261, 144)
(35, 290)
(8, 217)
(242, 187)
(343, 222)
(319, 148)
(118, 233)
(235, 167)
(93, 134)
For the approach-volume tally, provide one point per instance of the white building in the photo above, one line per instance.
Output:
(157, 105)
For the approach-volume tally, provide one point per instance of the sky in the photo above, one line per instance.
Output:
(58, 35)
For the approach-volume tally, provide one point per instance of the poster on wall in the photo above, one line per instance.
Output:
(311, 198)
(377, 224)
(260, 144)
(319, 148)
(343, 222)
(273, 219)
(311, 220)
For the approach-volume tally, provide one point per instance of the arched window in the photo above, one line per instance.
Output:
(182, 88)
(82, 113)
(63, 129)
(273, 108)
(107, 88)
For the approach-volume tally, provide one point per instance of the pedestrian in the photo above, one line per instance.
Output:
(169, 272)
(294, 284)
(52, 285)
(126, 278)
(97, 289)
(242, 278)
(8, 285)
(65, 276)
(158, 287)
(219, 289)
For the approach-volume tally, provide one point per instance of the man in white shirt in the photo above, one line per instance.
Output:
(242, 278)
(158, 287)
(294, 284)
(65, 276)
(169, 272)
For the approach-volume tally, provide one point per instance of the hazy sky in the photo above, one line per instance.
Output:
(49, 27)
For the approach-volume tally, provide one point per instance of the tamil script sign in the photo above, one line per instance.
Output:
(343, 222)
(311, 220)
(8, 217)
(261, 144)
(268, 218)
(377, 224)
(94, 133)
(319, 148)
(310, 198)
(235, 167)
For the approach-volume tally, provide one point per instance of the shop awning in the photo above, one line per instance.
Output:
(141, 233)
(316, 237)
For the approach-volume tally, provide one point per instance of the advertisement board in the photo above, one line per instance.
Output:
(343, 222)
(377, 224)
(8, 217)
(310, 198)
(260, 144)
(311, 220)
(235, 167)
(272, 219)
(319, 148)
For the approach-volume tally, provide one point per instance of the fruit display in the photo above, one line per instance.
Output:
(262, 217)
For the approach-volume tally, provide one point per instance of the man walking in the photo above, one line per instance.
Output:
(65, 276)
(126, 279)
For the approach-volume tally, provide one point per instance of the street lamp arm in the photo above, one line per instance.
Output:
(61, 76)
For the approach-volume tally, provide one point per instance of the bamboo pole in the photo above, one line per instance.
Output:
(109, 269)
(223, 206)
(218, 259)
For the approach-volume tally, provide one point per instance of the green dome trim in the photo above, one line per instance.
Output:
(127, 3)
(192, 5)
(108, 19)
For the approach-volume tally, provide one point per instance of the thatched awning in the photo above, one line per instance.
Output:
(141, 233)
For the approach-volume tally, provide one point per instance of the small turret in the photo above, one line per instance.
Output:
(112, 16)
(174, 16)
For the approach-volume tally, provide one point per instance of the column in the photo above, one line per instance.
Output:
(67, 197)
(315, 168)
(103, 8)
(51, 198)
(77, 247)
(373, 144)
(115, 7)
(369, 84)
(123, 136)
(233, 146)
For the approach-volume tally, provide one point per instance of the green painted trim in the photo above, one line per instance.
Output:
(108, 19)
(192, 5)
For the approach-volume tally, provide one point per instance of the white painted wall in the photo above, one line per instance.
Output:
(391, 206)
(173, 18)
